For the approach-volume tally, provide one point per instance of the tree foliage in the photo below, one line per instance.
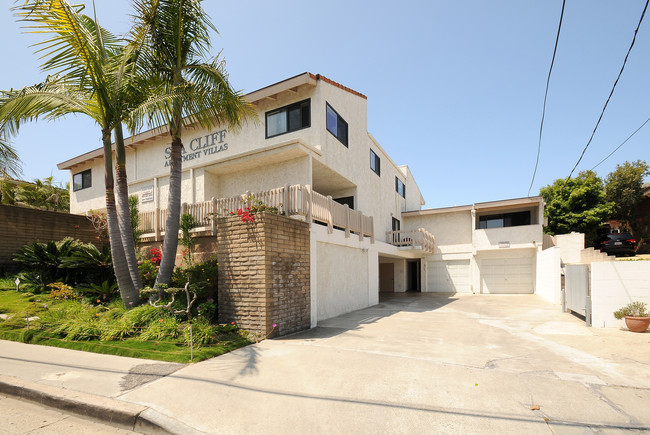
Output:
(624, 188)
(576, 204)
(43, 194)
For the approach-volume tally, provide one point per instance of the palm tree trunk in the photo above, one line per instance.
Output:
(172, 220)
(129, 294)
(124, 214)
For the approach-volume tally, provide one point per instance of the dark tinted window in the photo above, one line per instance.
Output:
(82, 180)
(288, 118)
(336, 125)
(504, 220)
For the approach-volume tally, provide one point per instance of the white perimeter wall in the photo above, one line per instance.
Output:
(344, 273)
(615, 284)
(548, 282)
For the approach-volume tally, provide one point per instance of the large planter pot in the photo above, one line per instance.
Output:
(637, 324)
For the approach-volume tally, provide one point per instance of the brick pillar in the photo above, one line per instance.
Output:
(264, 273)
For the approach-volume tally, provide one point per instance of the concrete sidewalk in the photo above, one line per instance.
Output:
(412, 364)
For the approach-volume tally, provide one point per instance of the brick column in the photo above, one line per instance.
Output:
(264, 273)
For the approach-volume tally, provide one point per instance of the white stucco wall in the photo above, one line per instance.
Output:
(523, 236)
(570, 246)
(549, 279)
(452, 231)
(344, 273)
(92, 197)
(615, 284)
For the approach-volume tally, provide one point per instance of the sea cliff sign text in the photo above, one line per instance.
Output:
(201, 146)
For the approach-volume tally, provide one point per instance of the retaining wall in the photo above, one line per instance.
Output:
(20, 226)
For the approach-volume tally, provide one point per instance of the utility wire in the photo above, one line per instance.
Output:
(548, 81)
(613, 87)
(622, 143)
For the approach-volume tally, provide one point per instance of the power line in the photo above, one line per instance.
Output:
(548, 80)
(613, 87)
(622, 143)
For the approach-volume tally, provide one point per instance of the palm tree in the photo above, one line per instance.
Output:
(94, 71)
(9, 161)
(179, 40)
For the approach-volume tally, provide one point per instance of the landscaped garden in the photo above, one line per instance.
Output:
(67, 297)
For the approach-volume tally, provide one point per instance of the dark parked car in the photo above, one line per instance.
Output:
(617, 244)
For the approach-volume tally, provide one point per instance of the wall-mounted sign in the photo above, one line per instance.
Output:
(201, 146)
(147, 194)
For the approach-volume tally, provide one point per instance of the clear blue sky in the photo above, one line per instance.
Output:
(455, 88)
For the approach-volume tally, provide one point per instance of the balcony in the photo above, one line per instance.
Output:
(419, 240)
(296, 201)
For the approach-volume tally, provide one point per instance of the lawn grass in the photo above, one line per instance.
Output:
(13, 302)
(169, 348)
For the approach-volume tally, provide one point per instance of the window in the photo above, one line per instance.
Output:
(288, 118)
(337, 125)
(82, 180)
(400, 188)
(375, 163)
(396, 224)
(504, 220)
(349, 200)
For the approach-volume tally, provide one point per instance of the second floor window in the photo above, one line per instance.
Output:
(400, 188)
(337, 125)
(375, 163)
(288, 118)
(504, 220)
(82, 180)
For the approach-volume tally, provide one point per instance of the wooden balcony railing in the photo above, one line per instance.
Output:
(414, 239)
(296, 200)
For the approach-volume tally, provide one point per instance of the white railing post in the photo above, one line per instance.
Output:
(214, 216)
(361, 226)
(286, 206)
(156, 224)
(310, 202)
(347, 221)
(330, 226)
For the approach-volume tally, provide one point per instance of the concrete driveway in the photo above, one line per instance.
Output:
(422, 363)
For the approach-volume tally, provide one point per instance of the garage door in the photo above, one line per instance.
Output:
(507, 274)
(451, 276)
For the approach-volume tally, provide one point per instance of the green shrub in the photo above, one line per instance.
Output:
(104, 291)
(61, 291)
(148, 271)
(68, 261)
(87, 264)
(634, 309)
(206, 311)
(202, 333)
(165, 327)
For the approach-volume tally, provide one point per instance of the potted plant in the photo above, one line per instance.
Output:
(637, 318)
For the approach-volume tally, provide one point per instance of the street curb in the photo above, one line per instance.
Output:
(127, 415)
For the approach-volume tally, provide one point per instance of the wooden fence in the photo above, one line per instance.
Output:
(295, 200)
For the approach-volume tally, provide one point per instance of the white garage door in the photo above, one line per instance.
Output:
(451, 276)
(507, 274)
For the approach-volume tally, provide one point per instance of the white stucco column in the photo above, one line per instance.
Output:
(192, 187)
(156, 199)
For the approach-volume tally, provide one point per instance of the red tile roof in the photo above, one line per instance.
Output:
(338, 85)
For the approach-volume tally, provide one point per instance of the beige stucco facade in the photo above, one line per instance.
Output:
(347, 273)
(482, 248)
